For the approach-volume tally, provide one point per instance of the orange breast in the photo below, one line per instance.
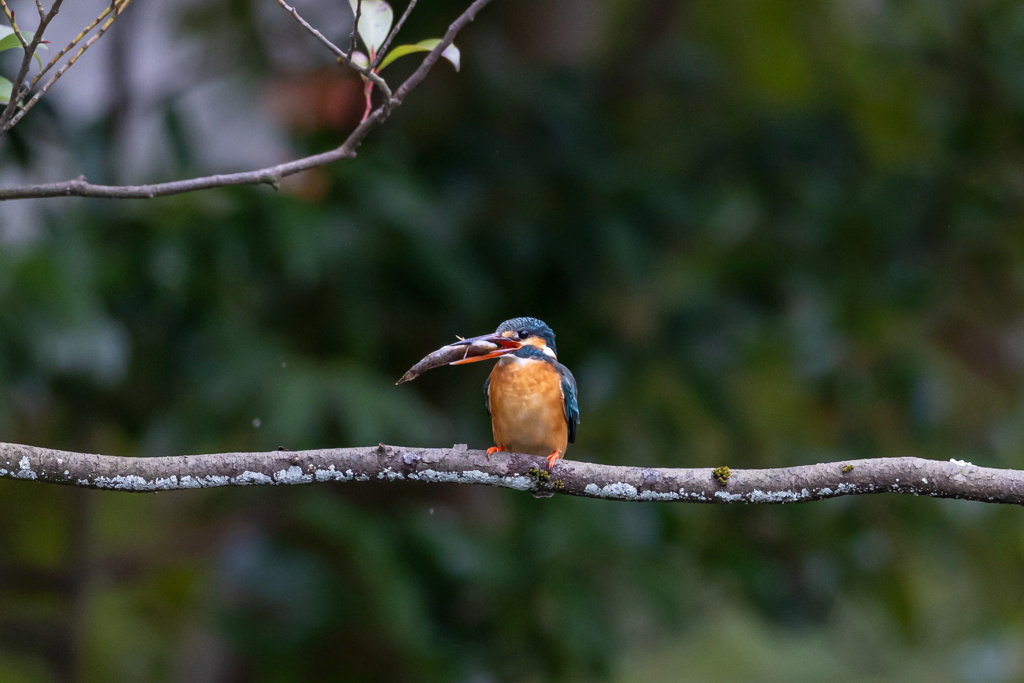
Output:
(527, 407)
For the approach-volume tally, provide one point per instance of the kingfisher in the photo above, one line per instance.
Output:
(530, 396)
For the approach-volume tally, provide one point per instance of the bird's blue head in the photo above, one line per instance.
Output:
(529, 332)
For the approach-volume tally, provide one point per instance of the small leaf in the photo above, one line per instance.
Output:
(375, 17)
(451, 53)
(9, 41)
(5, 90)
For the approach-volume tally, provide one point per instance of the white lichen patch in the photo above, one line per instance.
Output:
(961, 463)
(204, 482)
(620, 490)
(248, 478)
(24, 469)
(390, 475)
(331, 474)
(655, 495)
(617, 490)
(292, 475)
(128, 482)
(728, 497)
(132, 482)
(514, 481)
(759, 496)
(623, 491)
(435, 476)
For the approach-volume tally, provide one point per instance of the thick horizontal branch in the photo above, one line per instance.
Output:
(272, 175)
(915, 476)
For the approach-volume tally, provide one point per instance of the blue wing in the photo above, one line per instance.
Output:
(487, 394)
(572, 406)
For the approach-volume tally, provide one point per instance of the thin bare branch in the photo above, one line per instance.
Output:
(80, 187)
(394, 32)
(338, 52)
(119, 8)
(355, 26)
(272, 175)
(804, 483)
(71, 46)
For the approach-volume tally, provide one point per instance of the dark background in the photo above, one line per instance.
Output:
(766, 232)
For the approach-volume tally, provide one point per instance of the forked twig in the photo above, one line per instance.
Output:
(118, 6)
(74, 42)
(271, 175)
(343, 57)
(18, 89)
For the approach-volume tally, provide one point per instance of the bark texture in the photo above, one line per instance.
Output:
(459, 464)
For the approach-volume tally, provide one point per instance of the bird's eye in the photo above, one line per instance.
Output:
(523, 334)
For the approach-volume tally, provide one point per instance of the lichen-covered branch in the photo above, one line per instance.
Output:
(914, 476)
(272, 175)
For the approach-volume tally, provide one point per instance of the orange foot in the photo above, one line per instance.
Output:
(495, 449)
(552, 458)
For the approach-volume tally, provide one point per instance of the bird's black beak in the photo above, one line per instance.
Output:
(504, 345)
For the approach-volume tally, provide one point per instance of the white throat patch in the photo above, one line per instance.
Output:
(511, 358)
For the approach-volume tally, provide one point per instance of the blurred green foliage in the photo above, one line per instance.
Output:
(767, 233)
